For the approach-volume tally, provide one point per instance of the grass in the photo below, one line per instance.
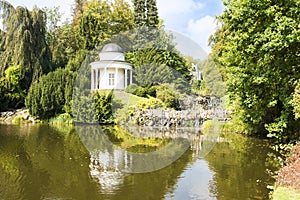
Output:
(285, 193)
(64, 118)
(18, 120)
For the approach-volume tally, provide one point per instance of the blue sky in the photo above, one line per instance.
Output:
(193, 18)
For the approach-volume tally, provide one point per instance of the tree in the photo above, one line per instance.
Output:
(50, 95)
(23, 42)
(145, 13)
(61, 39)
(162, 66)
(11, 94)
(78, 11)
(140, 16)
(100, 20)
(256, 48)
(296, 101)
(152, 14)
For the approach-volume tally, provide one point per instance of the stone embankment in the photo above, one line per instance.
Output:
(184, 118)
(194, 111)
(16, 116)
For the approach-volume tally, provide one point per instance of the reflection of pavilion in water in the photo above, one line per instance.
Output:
(108, 165)
(107, 168)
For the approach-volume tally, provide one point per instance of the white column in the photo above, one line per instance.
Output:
(116, 78)
(99, 78)
(105, 75)
(125, 79)
(96, 80)
(92, 80)
(131, 76)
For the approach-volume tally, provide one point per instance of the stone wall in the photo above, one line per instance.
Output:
(194, 113)
(9, 117)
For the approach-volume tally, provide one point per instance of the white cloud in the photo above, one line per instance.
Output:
(200, 30)
(173, 7)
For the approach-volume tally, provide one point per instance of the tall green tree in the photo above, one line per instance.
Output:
(101, 19)
(152, 14)
(257, 48)
(140, 16)
(145, 13)
(23, 42)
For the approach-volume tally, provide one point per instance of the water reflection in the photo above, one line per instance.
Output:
(116, 149)
(44, 162)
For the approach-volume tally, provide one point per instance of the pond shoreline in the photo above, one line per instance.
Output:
(288, 180)
(16, 116)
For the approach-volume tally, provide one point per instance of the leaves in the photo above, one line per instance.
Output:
(50, 95)
(23, 43)
(257, 50)
(100, 20)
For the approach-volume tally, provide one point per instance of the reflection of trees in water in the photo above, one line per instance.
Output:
(108, 160)
(46, 163)
(53, 163)
(240, 169)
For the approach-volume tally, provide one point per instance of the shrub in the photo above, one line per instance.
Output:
(168, 95)
(141, 92)
(48, 96)
(132, 88)
(103, 105)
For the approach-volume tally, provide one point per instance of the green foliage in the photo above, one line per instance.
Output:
(152, 14)
(213, 83)
(147, 90)
(131, 88)
(165, 93)
(23, 42)
(158, 66)
(141, 92)
(51, 94)
(83, 107)
(100, 20)
(168, 95)
(11, 94)
(94, 107)
(18, 120)
(64, 118)
(140, 17)
(257, 50)
(151, 103)
(145, 13)
(103, 106)
(296, 101)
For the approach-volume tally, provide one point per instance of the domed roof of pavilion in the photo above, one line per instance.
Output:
(112, 47)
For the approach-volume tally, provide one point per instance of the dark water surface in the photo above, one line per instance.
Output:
(47, 162)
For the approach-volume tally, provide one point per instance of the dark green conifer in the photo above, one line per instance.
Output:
(152, 14)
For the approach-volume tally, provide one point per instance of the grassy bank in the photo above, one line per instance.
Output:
(287, 185)
(285, 193)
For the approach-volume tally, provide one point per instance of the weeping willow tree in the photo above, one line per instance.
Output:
(23, 42)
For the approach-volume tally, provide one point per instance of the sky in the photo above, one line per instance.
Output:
(193, 18)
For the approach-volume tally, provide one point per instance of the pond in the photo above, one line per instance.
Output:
(64, 162)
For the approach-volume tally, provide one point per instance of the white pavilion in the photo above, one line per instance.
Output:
(111, 71)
